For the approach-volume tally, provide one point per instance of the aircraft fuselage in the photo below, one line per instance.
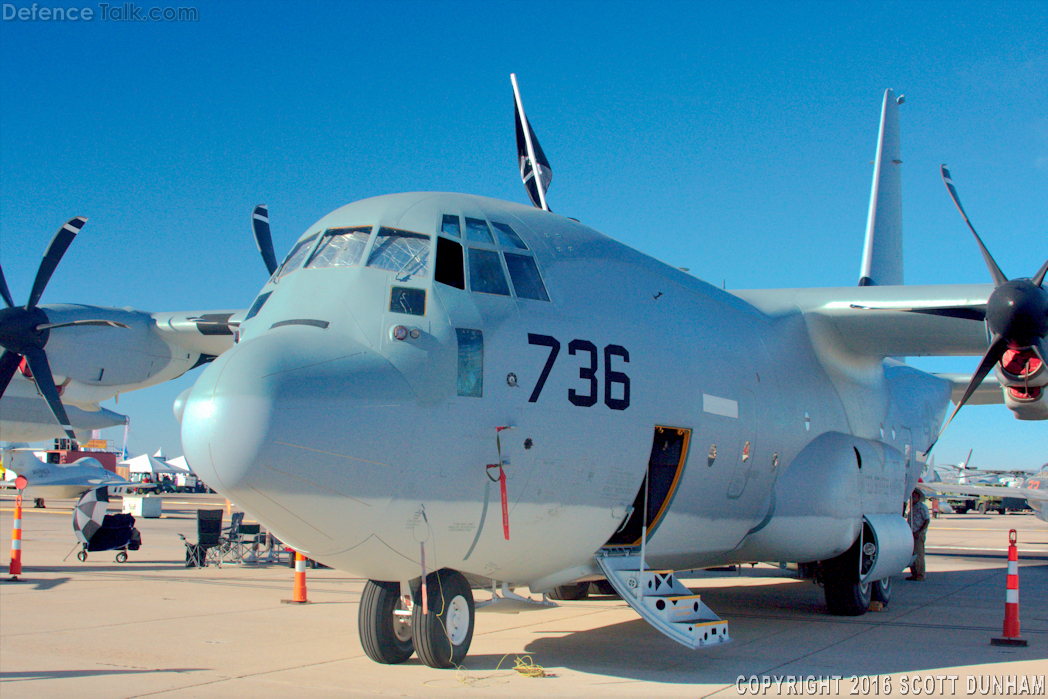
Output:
(359, 412)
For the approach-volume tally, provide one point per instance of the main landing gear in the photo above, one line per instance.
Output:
(392, 627)
(846, 594)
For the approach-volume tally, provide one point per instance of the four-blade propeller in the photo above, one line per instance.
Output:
(1016, 312)
(24, 329)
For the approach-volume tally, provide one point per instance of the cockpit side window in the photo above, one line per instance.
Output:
(477, 231)
(402, 252)
(448, 269)
(485, 272)
(525, 276)
(295, 257)
(340, 247)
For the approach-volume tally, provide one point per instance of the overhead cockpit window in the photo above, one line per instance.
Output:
(477, 231)
(508, 237)
(526, 279)
(485, 272)
(340, 247)
(402, 252)
(449, 225)
(294, 258)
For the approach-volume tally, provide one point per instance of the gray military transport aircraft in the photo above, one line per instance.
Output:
(444, 392)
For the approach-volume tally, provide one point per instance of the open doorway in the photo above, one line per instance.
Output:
(669, 452)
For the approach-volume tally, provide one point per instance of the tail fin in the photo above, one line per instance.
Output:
(882, 253)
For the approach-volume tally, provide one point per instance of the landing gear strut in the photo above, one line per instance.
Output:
(385, 634)
(442, 637)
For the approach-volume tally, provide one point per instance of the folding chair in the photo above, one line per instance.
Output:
(209, 538)
(245, 547)
(228, 547)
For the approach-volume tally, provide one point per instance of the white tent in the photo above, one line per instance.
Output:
(148, 464)
(181, 464)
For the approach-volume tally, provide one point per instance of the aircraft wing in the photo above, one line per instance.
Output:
(996, 491)
(887, 321)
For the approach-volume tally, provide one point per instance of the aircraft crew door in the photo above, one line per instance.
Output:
(669, 452)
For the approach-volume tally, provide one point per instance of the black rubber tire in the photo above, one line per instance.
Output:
(443, 636)
(881, 591)
(981, 508)
(569, 593)
(81, 556)
(376, 624)
(845, 595)
(121, 557)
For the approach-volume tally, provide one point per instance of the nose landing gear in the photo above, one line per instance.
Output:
(392, 629)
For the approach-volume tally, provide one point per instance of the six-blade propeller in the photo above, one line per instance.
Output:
(1016, 312)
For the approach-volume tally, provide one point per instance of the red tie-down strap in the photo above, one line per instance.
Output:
(501, 479)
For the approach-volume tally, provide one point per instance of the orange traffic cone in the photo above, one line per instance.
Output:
(299, 595)
(15, 569)
(1010, 637)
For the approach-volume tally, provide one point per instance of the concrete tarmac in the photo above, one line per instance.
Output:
(153, 628)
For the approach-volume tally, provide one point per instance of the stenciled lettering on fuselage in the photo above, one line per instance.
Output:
(616, 399)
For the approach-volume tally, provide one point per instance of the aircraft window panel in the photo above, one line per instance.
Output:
(508, 237)
(470, 362)
(296, 256)
(485, 272)
(527, 281)
(257, 305)
(477, 231)
(340, 247)
(403, 299)
(450, 226)
(449, 266)
(402, 252)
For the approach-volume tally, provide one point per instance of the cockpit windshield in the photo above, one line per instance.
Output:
(294, 258)
(340, 247)
(402, 252)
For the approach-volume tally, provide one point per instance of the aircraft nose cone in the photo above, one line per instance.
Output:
(293, 427)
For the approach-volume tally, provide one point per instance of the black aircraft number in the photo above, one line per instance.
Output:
(588, 392)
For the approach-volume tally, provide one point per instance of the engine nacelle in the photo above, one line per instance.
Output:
(1024, 380)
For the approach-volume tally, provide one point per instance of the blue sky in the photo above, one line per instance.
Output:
(734, 139)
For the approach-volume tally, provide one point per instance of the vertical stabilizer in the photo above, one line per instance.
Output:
(882, 253)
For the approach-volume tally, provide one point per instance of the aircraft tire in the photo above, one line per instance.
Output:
(121, 557)
(81, 556)
(569, 593)
(881, 590)
(602, 587)
(845, 594)
(384, 637)
(981, 508)
(443, 636)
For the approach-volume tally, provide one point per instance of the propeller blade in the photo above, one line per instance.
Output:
(109, 323)
(8, 366)
(995, 271)
(46, 384)
(1038, 278)
(992, 356)
(55, 251)
(263, 237)
(4, 291)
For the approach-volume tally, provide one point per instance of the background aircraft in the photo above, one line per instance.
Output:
(44, 480)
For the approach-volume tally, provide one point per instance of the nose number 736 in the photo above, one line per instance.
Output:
(587, 372)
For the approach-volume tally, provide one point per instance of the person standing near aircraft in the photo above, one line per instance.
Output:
(919, 520)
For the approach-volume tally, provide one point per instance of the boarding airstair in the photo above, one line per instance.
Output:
(661, 599)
